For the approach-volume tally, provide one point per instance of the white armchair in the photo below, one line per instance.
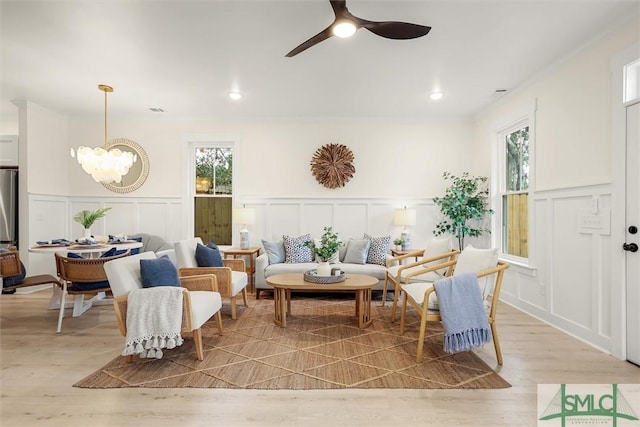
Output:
(232, 279)
(201, 300)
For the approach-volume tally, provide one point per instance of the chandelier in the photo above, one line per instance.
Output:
(102, 164)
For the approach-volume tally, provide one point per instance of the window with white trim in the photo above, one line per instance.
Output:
(514, 173)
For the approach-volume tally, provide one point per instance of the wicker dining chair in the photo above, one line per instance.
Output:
(11, 266)
(80, 277)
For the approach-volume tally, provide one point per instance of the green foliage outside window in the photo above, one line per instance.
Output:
(216, 164)
(518, 160)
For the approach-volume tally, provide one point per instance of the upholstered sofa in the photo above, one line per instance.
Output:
(354, 257)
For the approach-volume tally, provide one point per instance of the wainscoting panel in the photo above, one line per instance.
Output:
(316, 216)
(571, 296)
(569, 285)
(51, 217)
(352, 220)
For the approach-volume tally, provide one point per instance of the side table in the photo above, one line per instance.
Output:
(252, 253)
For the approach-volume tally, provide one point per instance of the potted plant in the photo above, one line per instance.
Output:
(399, 244)
(327, 249)
(87, 218)
(463, 202)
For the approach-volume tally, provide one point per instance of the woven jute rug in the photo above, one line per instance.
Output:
(321, 348)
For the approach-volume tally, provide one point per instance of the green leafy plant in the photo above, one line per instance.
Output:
(87, 218)
(465, 200)
(329, 244)
(398, 242)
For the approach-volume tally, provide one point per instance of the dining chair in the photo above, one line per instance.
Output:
(82, 277)
(12, 271)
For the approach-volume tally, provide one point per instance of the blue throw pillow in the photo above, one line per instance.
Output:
(158, 272)
(208, 257)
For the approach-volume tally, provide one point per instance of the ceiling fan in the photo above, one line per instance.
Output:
(345, 25)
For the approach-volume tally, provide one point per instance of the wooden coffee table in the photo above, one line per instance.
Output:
(283, 284)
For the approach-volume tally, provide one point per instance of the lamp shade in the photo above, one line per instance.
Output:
(244, 216)
(405, 217)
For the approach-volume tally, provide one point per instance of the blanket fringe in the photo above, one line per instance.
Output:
(150, 346)
(466, 340)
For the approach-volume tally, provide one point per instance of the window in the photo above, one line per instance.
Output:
(214, 170)
(213, 192)
(514, 194)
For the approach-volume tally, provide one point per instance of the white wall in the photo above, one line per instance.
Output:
(392, 158)
(569, 285)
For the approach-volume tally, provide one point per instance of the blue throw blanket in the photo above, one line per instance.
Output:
(462, 312)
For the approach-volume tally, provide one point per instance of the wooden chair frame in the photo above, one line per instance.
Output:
(205, 282)
(426, 316)
(10, 266)
(397, 280)
(223, 276)
(80, 270)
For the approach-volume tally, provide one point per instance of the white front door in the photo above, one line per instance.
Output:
(632, 235)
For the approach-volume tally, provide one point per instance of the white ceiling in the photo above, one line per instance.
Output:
(185, 56)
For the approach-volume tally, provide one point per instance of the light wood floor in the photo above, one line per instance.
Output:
(39, 368)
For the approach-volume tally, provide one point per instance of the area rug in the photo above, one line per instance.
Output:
(321, 348)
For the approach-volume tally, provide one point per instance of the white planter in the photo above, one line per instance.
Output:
(87, 233)
(324, 269)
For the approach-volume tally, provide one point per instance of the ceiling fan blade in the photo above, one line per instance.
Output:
(339, 7)
(395, 30)
(321, 36)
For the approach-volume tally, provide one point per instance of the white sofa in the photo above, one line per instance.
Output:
(264, 269)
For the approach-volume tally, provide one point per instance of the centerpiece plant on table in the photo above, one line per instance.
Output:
(87, 218)
(326, 250)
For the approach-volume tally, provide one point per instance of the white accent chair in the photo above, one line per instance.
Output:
(201, 300)
(232, 278)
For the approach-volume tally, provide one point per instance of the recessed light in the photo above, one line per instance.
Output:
(344, 29)
(436, 95)
(235, 95)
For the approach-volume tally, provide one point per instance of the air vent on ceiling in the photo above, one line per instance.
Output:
(498, 93)
(156, 110)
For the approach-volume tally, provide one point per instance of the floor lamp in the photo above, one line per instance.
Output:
(244, 216)
(405, 217)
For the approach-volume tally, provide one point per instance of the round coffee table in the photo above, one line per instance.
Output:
(283, 284)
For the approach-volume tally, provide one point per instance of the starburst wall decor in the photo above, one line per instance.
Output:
(332, 165)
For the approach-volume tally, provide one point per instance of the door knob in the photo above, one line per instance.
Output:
(631, 247)
(633, 229)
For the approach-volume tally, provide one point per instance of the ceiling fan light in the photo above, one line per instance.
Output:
(436, 95)
(344, 29)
